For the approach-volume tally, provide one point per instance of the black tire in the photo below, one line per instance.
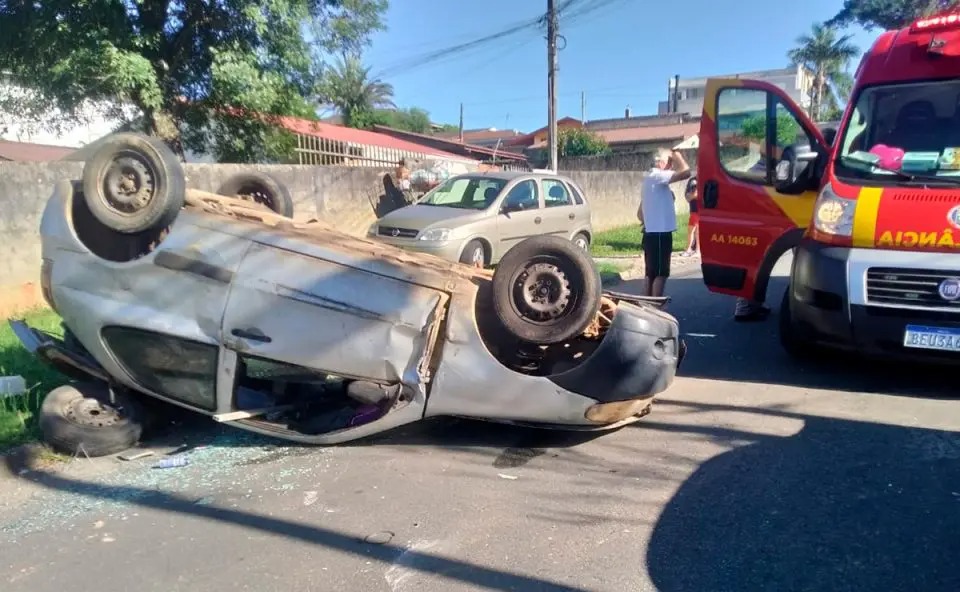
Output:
(79, 419)
(474, 254)
(567, 275)
(583, 240)
(134, 183)
(260, 188)
(795, 344)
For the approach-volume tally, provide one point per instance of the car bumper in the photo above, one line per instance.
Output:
(830, 305)
(637, 359)
(449, 250)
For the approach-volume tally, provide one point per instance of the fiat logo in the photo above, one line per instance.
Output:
(950, 289)
(953, 217)
(395, 232)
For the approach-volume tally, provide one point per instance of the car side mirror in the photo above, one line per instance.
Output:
(794, 170)
(508, 207)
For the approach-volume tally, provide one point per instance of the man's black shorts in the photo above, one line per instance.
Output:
(657, 248)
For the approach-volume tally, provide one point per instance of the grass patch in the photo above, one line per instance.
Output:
(625, 240)
(610, 272)
(18, 415)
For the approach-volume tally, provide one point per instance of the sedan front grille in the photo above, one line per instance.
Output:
(396, 232)
(909, 287)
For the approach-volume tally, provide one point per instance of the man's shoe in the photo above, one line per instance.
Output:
(748, 311)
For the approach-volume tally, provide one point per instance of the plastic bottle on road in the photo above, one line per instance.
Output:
(169, 463)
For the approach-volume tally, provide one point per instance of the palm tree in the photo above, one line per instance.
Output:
(349, 89)
(826, 54)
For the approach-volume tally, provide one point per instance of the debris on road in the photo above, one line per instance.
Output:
(169, 463)
(136, 456)
(379, 538)
(502, 476)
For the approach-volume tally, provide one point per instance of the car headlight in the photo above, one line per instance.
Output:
(435, 234)
(833, 214)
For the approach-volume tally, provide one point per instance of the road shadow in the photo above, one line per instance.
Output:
(453, 570)
(720, 348)
(841, 505)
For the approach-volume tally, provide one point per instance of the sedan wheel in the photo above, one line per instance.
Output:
(581, 242)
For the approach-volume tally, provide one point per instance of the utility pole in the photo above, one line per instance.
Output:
(583, 107)
(676, 92)
(552, 82)
(461, 123)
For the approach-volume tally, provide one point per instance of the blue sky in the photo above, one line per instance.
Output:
(623, 53)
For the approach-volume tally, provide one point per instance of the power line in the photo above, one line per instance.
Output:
(453, 50)
(572, 9)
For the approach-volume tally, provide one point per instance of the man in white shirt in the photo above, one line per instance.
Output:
(659, 217)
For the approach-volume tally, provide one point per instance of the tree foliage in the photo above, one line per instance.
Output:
(826, 54)
(356, 96)
(886, 14)
(208, 76)
(755, 128)
(580, 142)
(413, 119)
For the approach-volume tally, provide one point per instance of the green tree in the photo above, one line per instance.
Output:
(580, 142)
(755, 128)
(836, 101)
(349, 89)
(413, 119)
(209, 76)
(826, 54)
(886, 14)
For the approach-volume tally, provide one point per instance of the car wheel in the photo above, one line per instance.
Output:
(581, 241)
(546, 290)
(79, 418)
(260, 188)
(791, 338)
(134, 183)
(474, 254)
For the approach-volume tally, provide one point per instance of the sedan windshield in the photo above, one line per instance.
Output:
(904, 133)
(471, 193)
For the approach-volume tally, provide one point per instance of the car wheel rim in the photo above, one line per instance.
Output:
(581, 243)
(129, 184)
(477, 258)
(542, 292)
(92, 413)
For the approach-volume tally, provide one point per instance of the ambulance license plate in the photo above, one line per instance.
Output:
(938, 338)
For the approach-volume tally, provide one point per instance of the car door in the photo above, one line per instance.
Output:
(745, 223)
(581, 209)
(559, 206)
(520, 215)
(349, 318)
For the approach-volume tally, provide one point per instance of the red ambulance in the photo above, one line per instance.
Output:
(872, 216)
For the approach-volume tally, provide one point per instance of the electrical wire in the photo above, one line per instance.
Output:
(451, 51)
(571, 9)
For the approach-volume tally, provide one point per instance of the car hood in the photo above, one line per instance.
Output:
(419, 217)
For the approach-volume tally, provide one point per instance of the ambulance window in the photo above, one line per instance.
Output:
(789, 131)
(741, 130)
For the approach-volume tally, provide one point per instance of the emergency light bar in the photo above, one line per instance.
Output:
(936, 23)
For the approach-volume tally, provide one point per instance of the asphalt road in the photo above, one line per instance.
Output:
(752, 473)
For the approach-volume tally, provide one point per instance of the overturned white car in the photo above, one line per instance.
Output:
(220, 305)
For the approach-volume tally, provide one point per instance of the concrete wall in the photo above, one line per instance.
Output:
(345, 196)
(620, 161)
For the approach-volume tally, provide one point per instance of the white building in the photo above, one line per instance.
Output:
(797, 81)
(51, 130)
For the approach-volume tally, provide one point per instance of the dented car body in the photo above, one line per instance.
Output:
(299, 331)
